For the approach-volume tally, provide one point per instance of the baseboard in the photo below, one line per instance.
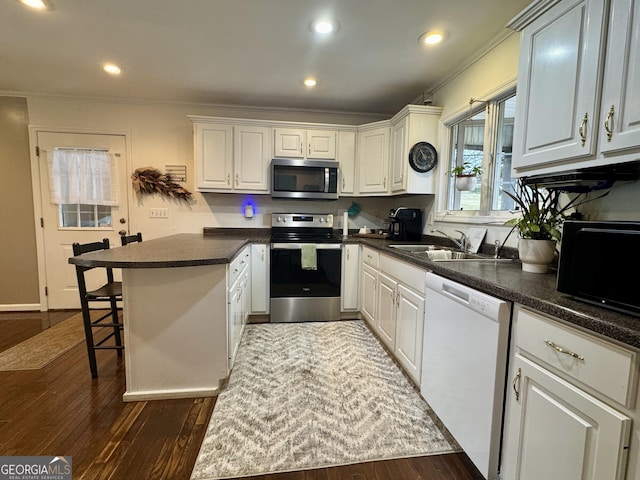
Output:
(20, 307)
(169, 394)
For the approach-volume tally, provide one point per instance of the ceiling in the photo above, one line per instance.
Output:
(244, 52)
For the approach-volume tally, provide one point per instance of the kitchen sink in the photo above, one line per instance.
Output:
(428, 252)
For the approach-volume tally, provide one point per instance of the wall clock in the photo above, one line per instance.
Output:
(423, 157)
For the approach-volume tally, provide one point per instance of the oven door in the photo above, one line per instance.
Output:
(298, 294)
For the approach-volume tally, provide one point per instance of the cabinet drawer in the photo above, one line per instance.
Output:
(603, 366)
(408, 274)
(238, 264)
(370, 256)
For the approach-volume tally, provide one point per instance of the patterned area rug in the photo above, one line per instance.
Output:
(310, 395)
(45, 347)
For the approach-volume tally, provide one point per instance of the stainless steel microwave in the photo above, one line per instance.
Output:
(304, 179)
(598, 262)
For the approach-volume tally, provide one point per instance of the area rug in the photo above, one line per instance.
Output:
(310, 395)
(43, 348)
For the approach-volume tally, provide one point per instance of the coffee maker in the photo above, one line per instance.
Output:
(405, 224)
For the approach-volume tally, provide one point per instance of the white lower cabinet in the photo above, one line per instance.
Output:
(350, 277)
(386, 325)
(238, 301)
(560, 423)
(259, 278)
(393, 304)
(409, 331)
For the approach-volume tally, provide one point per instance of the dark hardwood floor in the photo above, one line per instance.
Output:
(60, 410)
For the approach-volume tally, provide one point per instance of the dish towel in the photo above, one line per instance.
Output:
(309, 258)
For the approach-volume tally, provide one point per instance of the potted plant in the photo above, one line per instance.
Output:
(540, 222)
(466, 175)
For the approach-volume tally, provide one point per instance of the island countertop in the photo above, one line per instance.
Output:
(180, 250)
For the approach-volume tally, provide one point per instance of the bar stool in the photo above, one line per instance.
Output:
(126, 239)
(110, 292)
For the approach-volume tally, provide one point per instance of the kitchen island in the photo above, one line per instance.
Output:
(175, 305)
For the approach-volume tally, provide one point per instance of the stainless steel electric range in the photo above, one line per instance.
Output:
(306, 262)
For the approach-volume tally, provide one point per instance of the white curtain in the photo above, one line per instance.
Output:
(83, 176)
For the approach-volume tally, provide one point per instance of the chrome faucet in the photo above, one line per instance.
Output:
(462, 243)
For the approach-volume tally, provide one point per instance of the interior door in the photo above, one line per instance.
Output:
(60, 232)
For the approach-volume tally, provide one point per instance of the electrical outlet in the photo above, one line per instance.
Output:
(158, 213)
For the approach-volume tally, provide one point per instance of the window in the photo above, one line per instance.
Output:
(81, 184)
(484, 138)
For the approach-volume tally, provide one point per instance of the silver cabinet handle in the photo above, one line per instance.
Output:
(583, 129)
(608, 123)
(516, 385)
(562, 350)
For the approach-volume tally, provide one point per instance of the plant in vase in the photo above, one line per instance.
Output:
(540, 222)
(466, 176)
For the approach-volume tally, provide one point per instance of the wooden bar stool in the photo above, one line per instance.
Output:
(110, 293)
(126, 239)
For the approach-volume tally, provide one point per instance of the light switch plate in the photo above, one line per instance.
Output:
(475, 236)
(158, 213)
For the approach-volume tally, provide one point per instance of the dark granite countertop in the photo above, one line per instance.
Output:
(504, 280)
(507, 281)
(181, 250)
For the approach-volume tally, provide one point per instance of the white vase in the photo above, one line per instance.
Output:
(466, 182)
(536, 255)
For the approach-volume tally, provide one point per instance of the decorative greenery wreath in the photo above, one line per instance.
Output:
(149, 180)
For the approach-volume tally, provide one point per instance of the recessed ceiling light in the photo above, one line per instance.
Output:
(112, 69)
(431, 38)
(310, 82)
(324, 26)
(36, 4)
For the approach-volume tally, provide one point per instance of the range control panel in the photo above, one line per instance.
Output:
(303, 220)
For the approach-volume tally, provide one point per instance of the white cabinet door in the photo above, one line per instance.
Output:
(321, 144)
(259, 278)
(373, 160)
(620, 115)
(560, 60)
(387, 288)
(346, 155)
(409, 331)
(233, 314)
(350, 276)
(252, 154)
(397, 159)
(289, 142)
(556, 430)
(300, 143)
(369, 294)
(213, 145)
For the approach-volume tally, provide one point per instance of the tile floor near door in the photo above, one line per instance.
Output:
(60, 410)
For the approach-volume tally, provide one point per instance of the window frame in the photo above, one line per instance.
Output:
(485, 214)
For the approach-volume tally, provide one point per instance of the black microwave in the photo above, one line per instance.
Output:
(598, 261)
(304, 179)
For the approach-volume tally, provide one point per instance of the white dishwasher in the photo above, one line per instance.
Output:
(464, 366)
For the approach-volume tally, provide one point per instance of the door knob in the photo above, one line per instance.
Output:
(122, 232)
(123, 220)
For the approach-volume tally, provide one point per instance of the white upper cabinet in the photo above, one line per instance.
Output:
(567, 116)
(213, 145)
(413, 124)
(620, 116)
(231, 157)
(346, 155)
(560, 57)
(373, 159)
(300, 143)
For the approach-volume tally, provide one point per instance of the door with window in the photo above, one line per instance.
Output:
(83, 187)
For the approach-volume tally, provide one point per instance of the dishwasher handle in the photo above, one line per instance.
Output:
(452, 291)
